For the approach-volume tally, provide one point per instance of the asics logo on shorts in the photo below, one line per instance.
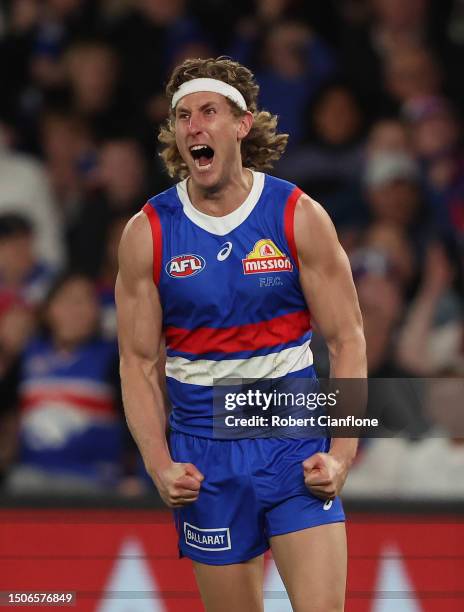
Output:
(207, 539)
(225, 251)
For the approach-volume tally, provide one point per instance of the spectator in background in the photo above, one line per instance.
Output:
(154, 32)
(37, 34)
(109, 270)
(437, 141)
(431, 340)
(70, 158)
(392, 189)
(123, 188)
(292, 66)
(411, 73)
(71, 432)
(388, 135)
(22, 274)
(24, 189)
(24, 280)
(327, 164)
(381, 300)
(17, 324)
(393, 243)
(366, 47)
(92, 72)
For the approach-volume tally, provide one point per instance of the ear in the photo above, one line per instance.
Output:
(244, 126)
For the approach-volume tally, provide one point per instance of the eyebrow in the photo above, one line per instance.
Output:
(183, 109)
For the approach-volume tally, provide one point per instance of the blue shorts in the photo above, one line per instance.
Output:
(253, 489)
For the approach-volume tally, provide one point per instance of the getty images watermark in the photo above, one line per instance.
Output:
(308, 407)
(255, 398)
(290, 407)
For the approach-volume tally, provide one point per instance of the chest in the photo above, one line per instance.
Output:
(242, 277)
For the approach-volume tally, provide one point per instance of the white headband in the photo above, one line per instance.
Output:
(214, 85)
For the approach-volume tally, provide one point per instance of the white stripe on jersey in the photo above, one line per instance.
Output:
(204, 371)
(93, 389)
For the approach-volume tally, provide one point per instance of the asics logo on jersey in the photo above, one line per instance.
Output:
(328, 504)
(225, 251)
(182, 266)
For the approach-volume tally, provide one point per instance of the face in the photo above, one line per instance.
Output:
(412, 73)
(162, 11)
(395, 202)
(72, 315)
(337, 118)
(286, 49)
(17, 257)
(435, 135)
(400, 14)
(388, 135)
(392, 241)
(59, 138)
(93, 73)
(122, 169)
(208, 136)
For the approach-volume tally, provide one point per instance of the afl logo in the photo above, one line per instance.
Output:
(182, 266)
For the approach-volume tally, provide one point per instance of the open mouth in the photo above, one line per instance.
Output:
(202, 155)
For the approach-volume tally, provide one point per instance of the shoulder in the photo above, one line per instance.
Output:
(315, 234)
(272, 182)
(309, 210)
(166, 200)
(37, 345)
(136, 246)
(280, 195)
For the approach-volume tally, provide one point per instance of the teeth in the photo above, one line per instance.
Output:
(197, 147)
(202, 168)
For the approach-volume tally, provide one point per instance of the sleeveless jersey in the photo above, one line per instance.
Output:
(230, 294)
(69, 420)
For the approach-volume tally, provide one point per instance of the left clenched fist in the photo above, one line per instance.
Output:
(324, 475)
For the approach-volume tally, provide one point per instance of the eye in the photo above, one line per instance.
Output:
(182, 116)
(210, 111)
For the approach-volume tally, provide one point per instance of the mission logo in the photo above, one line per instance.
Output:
(266, 257)
(182, 266)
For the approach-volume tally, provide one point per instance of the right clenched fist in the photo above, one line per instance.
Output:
(179, 484)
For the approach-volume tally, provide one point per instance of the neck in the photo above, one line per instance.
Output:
(224, 198)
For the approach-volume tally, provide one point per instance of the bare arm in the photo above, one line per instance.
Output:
(413, 350)
(139, 330)
(328, 287)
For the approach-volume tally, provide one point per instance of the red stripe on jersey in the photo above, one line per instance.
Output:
(157, 236)
(31, 400)
(250, 337)
(289, 227)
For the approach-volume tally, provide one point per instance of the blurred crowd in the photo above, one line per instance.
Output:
(371, 94)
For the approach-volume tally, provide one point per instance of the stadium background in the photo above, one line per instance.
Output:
(371, 93)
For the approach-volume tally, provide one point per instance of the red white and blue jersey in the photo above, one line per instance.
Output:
(229, 287)
(69, 421)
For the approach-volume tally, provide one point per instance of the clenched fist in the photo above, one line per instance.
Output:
(324, 475)
(179, 484)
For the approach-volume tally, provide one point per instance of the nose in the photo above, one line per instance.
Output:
(194, 124)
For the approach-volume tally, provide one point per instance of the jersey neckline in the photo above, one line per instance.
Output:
(226, 224)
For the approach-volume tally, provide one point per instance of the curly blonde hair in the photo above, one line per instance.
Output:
(260, 148)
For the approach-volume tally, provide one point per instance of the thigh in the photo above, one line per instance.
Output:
(231, 588)
(226, 523)
(313, 563)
